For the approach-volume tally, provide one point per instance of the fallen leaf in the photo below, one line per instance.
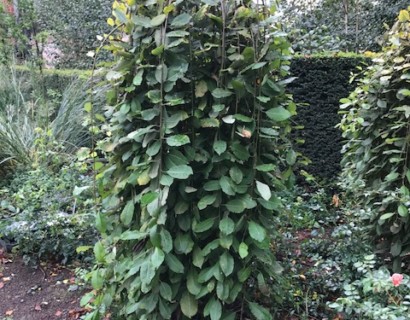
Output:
(37, 307)
(58, 313)
(1, 285)
(9, 312)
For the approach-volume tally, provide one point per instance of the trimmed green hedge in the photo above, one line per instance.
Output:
(54, 79)
(321, 81)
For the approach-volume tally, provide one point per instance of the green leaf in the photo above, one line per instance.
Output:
(178, 140)
(278, 114)
(158, 20)
(138, 78)
(193, 285)
(166, 241)
(181, 20)
(97, 280)
(165, 291)
(174, 264)
(204, 225)
(263, 190)
(387, 215)
(236, 174)
(259, 312)
(227, 225)
(180, 172)
(183, 243)
(120, 15)
(226, 263)
(81, 249)
(157, 258)
(133, 235)
(243, 250)
(220, 147)
(226, 186)
(99, 252)
(200, 89)
(236, 206)
(206, 201)
(219, 93)
(142, 21)
(266, 167)
(189, 305)
(256, 231)
(127, 213)
(79, 190)
(214, 309)
(403, 211)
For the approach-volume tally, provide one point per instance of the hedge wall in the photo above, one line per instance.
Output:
(319, 85)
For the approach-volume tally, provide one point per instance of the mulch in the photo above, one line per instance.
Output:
(48, 292)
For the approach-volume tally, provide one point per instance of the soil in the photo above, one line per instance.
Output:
(46, 293)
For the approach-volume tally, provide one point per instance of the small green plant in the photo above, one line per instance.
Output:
(377, 295)
(46, 211)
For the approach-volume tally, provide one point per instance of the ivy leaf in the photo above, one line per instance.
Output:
(256, 231)
(263, 190)
(157, 258)
(165, 291)
(235, 206)
(243, 250)
(219, 93)
(227, 225)
(236, 174)
(226, 263)
(127, 213)
(181, 20)
(220, 147)
(180, 172)
(174, 264)
(204, 225)
(226, 186)
(189, 305)
(206, 201)
(278, 114)
(214, 309)
(178, 140)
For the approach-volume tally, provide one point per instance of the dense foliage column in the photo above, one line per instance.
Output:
(377, 152)
(198, 151)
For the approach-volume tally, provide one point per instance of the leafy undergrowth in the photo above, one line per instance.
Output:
(50, 291)
(331, 268)
(318, 249)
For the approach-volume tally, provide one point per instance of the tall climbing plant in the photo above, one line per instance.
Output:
(198, 151)
(376, 126)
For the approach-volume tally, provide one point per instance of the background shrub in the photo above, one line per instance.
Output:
(321, 81)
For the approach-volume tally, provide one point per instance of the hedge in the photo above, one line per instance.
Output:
(54, 79)
(321, 81)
